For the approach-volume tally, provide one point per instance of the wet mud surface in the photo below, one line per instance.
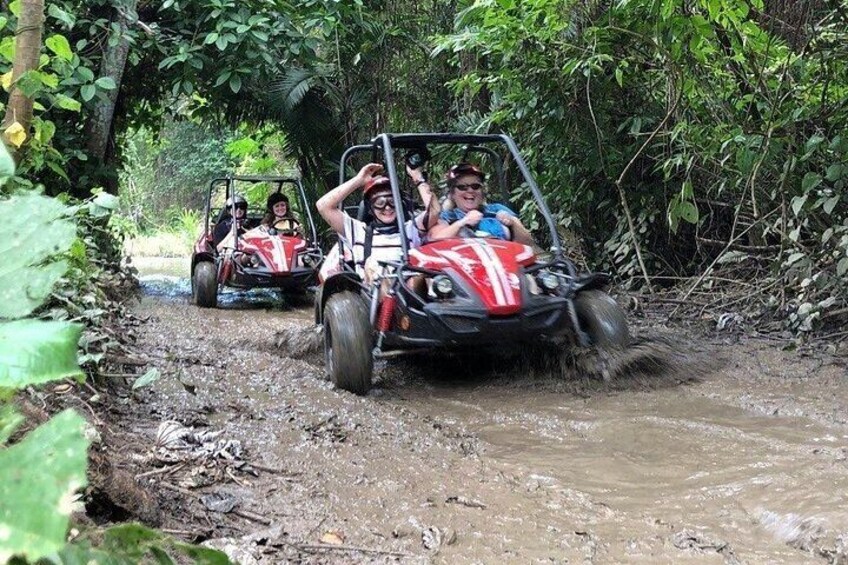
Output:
(727, 453)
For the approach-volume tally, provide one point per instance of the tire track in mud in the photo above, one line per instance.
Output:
(491, 458)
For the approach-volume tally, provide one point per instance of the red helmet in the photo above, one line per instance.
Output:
(375, 183)
(464, 169)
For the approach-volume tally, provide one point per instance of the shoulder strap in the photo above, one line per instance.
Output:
(369, 238)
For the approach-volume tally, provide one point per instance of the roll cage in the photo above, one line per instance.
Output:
(383, 147)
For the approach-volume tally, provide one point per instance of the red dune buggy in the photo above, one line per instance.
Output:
(480, 290)
(282, 256)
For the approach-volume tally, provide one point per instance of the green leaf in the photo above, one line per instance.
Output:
(32, 230)
(7, 48)
(810, 181)
(795, 257)
(47, 79)
(15, 8)
(107, 201)
(87, 92)
(235, 83)
(842, 266)
(68, 103)
(798, 203)
(106, 83)
(7, 165)
(9, 422)
(85, 73)
(61, 15)
(836, 172)
(60, 46)
(223, 77)
(830, 204)
(688, 212)
(38, 479)
(37, 351)
(146, 379)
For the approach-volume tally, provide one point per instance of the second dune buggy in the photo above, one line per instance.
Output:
(285, 257)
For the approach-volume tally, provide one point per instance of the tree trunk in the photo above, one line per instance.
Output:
(98, 128)
(27, 50)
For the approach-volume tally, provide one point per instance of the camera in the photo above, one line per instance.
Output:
(417, 157)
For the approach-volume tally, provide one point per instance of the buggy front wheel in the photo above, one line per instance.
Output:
(602, 319)
(347, 342)
(205, 284)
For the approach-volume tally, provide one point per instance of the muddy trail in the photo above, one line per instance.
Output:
(733, 453)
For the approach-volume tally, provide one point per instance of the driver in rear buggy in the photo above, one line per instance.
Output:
(379, 238)
(278, 214)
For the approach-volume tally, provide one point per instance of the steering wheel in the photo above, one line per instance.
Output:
(287, 227)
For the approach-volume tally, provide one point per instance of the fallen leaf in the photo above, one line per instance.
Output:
(219, 502)
(470, 503)
(15, 134)
(63, 388)
(432, 538)
(332, 538)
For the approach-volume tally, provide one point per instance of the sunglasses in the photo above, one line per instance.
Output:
(241, 206)
(383, 202)
(472, 186)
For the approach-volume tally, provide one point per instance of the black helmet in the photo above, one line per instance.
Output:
(276, 198)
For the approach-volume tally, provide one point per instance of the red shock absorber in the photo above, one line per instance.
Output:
(387, 308)
(226, 269)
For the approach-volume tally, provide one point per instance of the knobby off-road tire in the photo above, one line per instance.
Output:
(602, 319)
(348, 340)
(205, 284)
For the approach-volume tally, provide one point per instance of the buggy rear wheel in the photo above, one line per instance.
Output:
(602, 319)
(347, 342)
(204, 285)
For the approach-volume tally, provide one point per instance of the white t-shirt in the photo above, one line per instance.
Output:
(384, 247)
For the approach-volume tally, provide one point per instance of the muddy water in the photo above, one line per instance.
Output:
(674, 460)
(745, 465)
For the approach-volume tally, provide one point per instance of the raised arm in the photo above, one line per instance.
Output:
(432, 208)
(328, 205)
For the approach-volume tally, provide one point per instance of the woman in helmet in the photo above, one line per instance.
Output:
(379, 239)
(222, 235)
(466, 207)
(278, 214)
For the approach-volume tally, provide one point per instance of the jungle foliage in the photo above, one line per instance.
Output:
(695, 134)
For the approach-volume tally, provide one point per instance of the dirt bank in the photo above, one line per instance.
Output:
(738, 457)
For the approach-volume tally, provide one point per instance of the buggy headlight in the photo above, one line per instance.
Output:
(254, 261)
(442, 286)
(548, 280)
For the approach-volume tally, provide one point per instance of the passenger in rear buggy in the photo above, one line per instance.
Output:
(379, 239)
(466, 212)
(223, 233)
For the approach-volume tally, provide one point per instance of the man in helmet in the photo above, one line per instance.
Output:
(222, 236)
(379, 239)
(466, 211)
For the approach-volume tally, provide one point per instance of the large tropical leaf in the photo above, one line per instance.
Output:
(33, 229)
(35, 351)
(38, 479)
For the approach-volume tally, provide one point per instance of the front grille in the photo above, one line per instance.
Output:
(462, 324)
